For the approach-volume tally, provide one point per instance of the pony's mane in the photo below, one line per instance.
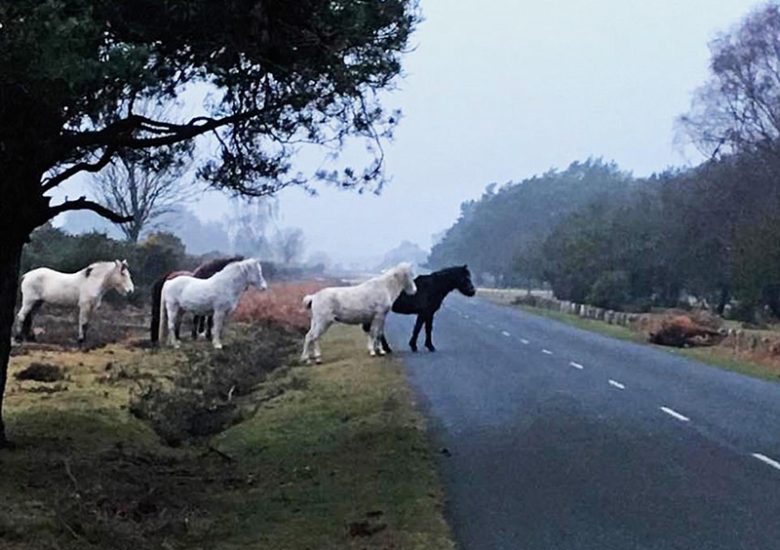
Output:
(98, 268)
(403, 266)
(447, 271)
(206, 270)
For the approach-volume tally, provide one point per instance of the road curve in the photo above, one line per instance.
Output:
(557, 438)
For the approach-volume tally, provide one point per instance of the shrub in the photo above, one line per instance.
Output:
(611, 290)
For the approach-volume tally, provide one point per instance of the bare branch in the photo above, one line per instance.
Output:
(52, 182)
(83, 204)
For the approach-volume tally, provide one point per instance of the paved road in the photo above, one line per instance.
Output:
(565, 439)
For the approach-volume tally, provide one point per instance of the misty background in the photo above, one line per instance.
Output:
(492, 93)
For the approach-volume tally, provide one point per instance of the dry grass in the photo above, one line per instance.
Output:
(280, 304)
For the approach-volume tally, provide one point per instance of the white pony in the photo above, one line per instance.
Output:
(368, 302)
(217, 296)
(85, 288)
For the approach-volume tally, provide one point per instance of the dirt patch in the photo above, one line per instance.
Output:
(41, 372)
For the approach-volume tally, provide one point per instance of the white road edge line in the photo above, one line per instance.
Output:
(505, 333)
(524, 341)
(617, 384)
(766, 460)
(675, 414)
(576, 365)
(547, 352)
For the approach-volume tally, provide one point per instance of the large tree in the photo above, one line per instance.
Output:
(738, 108)
(283, 73)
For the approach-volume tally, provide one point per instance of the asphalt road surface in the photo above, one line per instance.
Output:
(556, 438)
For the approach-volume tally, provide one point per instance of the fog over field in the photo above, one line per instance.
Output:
(501, 92)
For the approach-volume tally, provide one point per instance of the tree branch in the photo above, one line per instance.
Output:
(83, 204)
(102, 162)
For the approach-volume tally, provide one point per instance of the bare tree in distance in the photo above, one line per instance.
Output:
(738, 109)
(144, 194)
(289, 244)
(248, 224)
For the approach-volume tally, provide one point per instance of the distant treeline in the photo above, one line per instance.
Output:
(597, 235)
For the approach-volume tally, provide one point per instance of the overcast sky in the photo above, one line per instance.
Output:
(502, 90)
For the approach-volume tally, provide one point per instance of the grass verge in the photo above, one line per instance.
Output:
(333, 456)
(716, 356)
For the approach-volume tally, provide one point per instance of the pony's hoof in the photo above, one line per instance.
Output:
(431, 348)
(381, 352)
(218, 346)
(372, 353)
(318, 360)
(413, 348)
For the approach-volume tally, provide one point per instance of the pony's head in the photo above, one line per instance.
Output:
(403, 272)
(463, 281)
(254, 274)
(119, 278)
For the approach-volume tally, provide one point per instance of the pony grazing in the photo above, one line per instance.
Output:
(431, 291)
(217, 296)
(368, 302)
(84, 288)
(203, 271)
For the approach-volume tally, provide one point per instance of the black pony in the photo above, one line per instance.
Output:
(431, 291)
(203, 271)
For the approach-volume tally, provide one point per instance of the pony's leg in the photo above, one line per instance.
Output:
(429, 333)
(209, 326)
(374, 347)
(24, 320)
(195, 326)
(219, 322)
(177, 326)
(174, 319)
(385, 345)
(416, 332)
(85, 309)
(312, 340)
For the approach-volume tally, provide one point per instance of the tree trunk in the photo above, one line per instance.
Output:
(10, 257)
(725, 298)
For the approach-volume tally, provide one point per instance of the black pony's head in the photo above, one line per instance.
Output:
(460, 277)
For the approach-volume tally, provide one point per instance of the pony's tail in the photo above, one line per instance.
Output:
(161, 325)
(154, 328)
(307, 301)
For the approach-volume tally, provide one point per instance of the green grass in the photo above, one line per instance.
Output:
(341, 449)
(715, 356)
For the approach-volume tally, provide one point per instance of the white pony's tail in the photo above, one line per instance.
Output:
(307, 301)
(161, 326)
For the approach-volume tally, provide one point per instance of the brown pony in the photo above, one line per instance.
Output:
(203, 271)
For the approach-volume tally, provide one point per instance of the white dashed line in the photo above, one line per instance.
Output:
(617, 384)
(505, 333)
(576, 365)
(547, 352)
(766, 460)
(524, 341)
(675, 414)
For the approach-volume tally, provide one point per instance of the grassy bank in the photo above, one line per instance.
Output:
(716, 355)
(333, 456)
